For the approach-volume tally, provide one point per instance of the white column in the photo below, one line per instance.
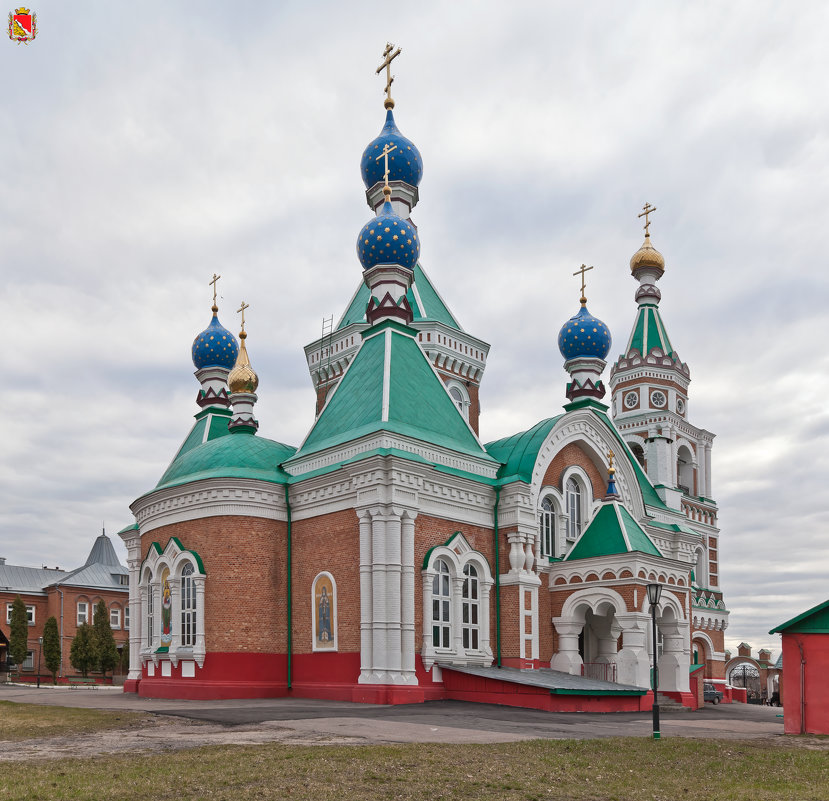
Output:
(708, 493)
(484, 612)
(200, 648)
(133, 543)
(394, 584)
(633, 661)
(407, 591)
(567, 658)
(456, 583)
(175, 617)
(366, 597)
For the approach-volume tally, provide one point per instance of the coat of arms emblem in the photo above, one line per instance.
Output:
(22, 25)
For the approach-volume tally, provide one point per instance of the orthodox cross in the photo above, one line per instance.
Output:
(647, 209)
(215, 278)
(388, 57)
(242, 309)
(610, 468)
(583, 269)
(385, 156)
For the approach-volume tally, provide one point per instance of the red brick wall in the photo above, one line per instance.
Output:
(571, 455)
(245, 562)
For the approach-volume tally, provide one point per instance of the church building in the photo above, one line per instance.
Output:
(392, 556)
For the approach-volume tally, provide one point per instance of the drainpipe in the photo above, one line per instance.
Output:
(497, 580)
(290, 608)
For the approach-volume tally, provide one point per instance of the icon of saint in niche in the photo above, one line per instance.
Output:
(324, 617)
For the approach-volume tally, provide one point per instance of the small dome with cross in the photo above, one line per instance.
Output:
(584, 336)
(215, 346)
(405, 163)
(388, 239)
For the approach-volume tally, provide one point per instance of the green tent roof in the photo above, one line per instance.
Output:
(391, 386)
(518, 453)
(649, 332)
(424, 299)
(612, 531)
(240, 455)
(812, 621)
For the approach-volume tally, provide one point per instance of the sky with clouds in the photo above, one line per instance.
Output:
(147, 147)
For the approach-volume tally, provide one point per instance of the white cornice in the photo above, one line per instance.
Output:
(212, 497)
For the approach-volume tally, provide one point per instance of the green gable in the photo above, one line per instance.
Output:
(429, 307)
(612, 531)
(812, 621)
(391, 386)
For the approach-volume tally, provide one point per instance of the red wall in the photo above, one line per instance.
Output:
(816, 696)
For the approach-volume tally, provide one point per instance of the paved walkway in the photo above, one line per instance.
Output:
(434, 721)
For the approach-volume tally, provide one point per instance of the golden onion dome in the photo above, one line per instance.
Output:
(647, 256)
(242, 377)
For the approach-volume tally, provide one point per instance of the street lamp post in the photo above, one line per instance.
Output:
(39, 653)
(654, 593)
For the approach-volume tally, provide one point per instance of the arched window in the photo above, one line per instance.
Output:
(188, 606)
(638, 451)
(547, 527)
(685, 470)
(441, 601)
(470, 608)
(573, 498)
(460, 398)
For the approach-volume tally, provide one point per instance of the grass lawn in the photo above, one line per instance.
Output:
(24, 721)
(625, 768)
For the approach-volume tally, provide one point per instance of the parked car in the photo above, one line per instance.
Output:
(711, 693)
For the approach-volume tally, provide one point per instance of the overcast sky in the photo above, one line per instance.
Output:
(145, 147)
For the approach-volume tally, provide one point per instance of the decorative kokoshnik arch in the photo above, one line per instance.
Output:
(171, 588)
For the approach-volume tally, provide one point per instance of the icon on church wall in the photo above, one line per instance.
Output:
(324, 613)
(166, 609)
(22, 25)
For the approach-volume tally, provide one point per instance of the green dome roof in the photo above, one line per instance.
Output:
(230, 456)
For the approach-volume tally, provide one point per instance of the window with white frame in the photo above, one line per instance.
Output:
(573, 497)
(126, 618)
(470, 608)
(29, 661)
(441, 603)
(188, 606)
(30, 614)
(460, 398)
(115, 618)
(547, 527)
(83, 612)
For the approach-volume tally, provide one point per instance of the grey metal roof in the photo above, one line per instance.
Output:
(28, 579)
(103, 553)
(552, 680)
(104, 577)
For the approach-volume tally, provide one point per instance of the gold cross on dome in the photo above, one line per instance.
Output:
(583, 269)
(610, 456)
(242, 310)
(215, 279)
(385, 156)
(647, 209)
(388, 57)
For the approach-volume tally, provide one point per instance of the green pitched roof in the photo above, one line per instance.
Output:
(210, 424)
(240, 455)
(518, 453)
(649, 332)
(424, 299)
(812, 621)
(391, 386)
(612, 531)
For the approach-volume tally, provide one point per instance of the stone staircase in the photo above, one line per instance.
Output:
(666, 702)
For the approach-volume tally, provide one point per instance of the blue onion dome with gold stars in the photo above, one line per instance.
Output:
(405, 163)
(388, 239)
(215, 346)
(584, 336)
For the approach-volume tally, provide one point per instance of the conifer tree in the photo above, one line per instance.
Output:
(105, 648)
(19, 639)
(51, 647)
(82, 655)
